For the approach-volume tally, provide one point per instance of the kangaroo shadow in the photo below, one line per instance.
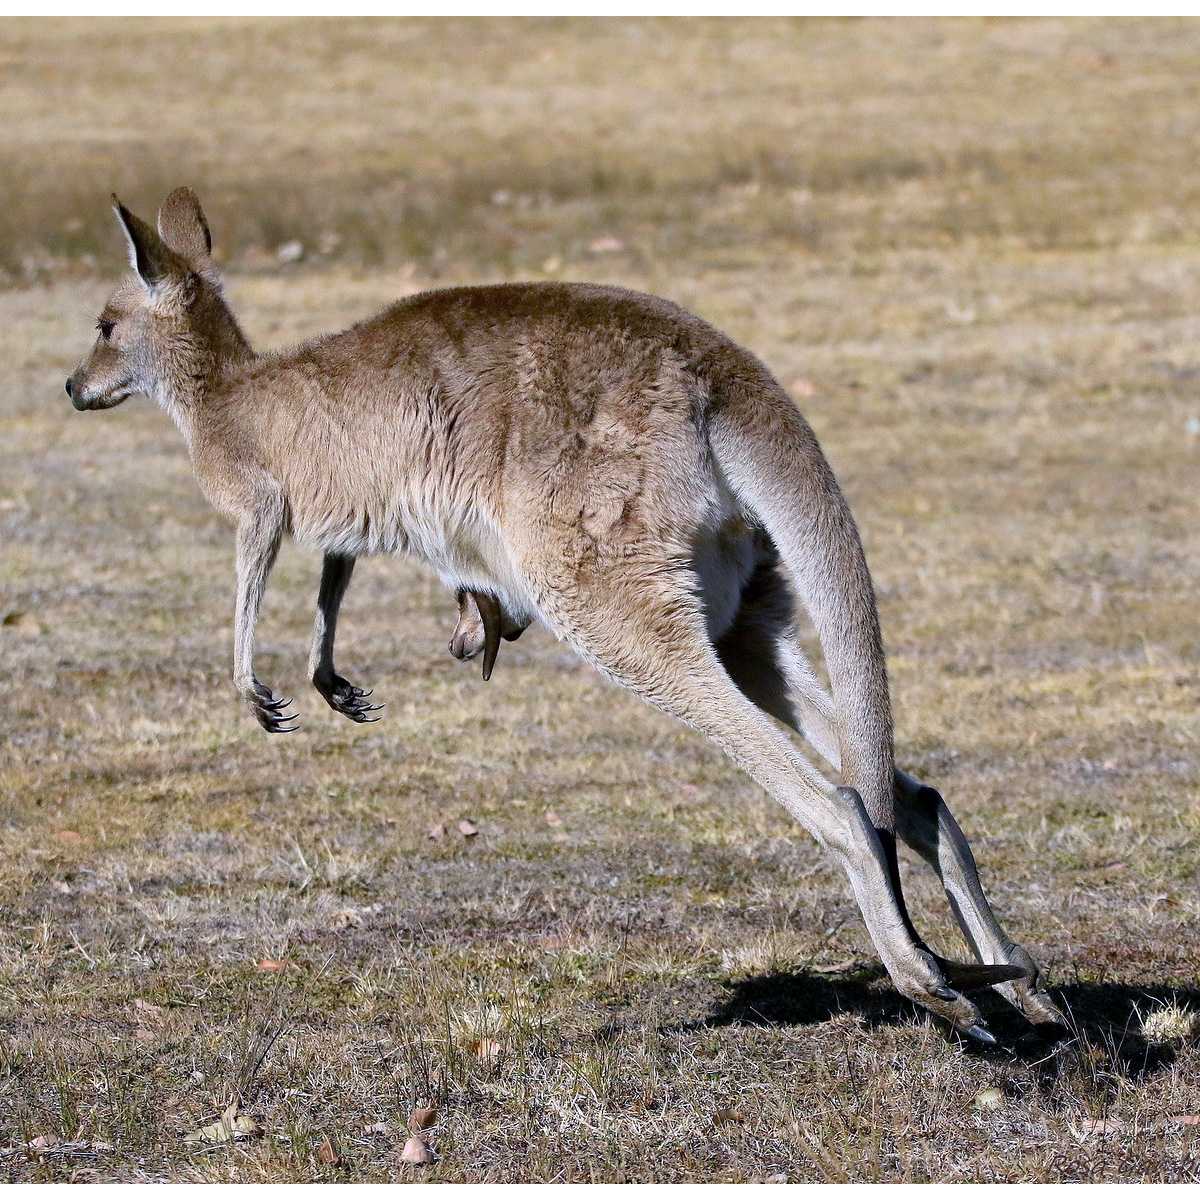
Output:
(1104, 1035)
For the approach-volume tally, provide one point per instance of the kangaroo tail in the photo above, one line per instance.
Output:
(770, 458)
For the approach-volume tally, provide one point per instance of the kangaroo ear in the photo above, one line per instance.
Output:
(148, 255)
(182, 226)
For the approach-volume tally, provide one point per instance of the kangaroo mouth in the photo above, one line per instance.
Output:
(94, 403)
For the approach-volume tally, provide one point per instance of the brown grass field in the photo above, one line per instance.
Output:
(972, 250)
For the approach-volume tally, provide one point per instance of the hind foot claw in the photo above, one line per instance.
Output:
(1026, 993)
(924, 983)
(981, 1034)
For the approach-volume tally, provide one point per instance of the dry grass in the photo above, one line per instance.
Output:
(972, 248)
(497, 145)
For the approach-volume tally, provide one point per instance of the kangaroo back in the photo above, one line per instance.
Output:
(774, 465)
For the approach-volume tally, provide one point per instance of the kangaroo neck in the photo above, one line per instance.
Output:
(182, 397)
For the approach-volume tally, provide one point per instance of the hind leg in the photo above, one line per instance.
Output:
(763, 655)
(653, 640)
(926, 824)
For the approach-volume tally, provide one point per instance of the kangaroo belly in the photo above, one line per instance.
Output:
(463, 547)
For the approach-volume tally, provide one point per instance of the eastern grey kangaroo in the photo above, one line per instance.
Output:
(600, 461)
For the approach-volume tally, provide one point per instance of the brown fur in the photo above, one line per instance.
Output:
(598, 460)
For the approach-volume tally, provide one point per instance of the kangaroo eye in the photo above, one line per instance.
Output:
(106, 328)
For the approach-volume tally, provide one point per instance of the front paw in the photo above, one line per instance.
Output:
(342, 696)
(270, 713)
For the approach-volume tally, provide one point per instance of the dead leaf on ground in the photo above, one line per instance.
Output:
(327, 1153)
(69, 835)
(273, 964)
(437, 832)
(421, 1118)
(234, 1126)
(415, 1151)
(44, 1141)
(552, 818)
(728, 1116)
(147, 1011)
(467, 828)
(606, 245)
(1184, 1119)
(22, 623)
(487, 1050)
(1101, 1126)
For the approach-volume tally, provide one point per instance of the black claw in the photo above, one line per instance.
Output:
(350, 701)
(981, 1034)
(272, 722)
(945, 993)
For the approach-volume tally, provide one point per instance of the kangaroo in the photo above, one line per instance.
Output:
(595, 459)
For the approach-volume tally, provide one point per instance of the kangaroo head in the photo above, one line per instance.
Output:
(167, 325)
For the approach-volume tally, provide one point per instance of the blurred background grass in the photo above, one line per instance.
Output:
(511, 142)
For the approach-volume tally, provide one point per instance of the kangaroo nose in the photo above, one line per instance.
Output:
(68, 387)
